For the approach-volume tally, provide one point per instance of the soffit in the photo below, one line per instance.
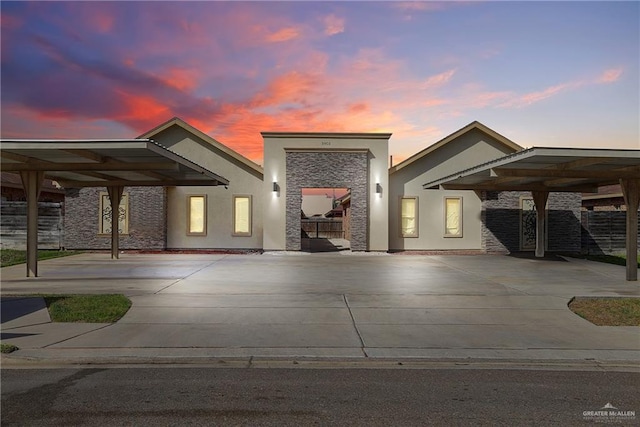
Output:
(547, 169)
(98, 163)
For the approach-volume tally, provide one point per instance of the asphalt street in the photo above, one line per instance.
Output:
(173, 395)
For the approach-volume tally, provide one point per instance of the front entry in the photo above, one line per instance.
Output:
(357, 161)
(326, 169)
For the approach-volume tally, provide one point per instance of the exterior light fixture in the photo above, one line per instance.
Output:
(378, 188)
(275, 186)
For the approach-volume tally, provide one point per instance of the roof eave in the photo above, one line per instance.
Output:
(471, 126)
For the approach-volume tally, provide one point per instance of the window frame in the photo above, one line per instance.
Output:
(101, 206)
(460, 217)
(235, 233)
(204, 215)
(416, 218)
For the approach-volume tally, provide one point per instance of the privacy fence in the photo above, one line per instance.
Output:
(604, 232)
(322, 228)
(13, 225)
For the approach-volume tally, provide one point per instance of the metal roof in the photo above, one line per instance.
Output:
(105, 162)
(547, 169)
(475, 125)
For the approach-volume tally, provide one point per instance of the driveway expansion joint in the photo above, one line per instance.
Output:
(355, 326)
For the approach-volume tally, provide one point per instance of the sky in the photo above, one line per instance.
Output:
(540, 73)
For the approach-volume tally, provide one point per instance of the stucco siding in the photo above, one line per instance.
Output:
(243, 180)
(275, 170)
(468, 150)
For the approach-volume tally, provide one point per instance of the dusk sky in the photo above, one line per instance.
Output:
(540, 73)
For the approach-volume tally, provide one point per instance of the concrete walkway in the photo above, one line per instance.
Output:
(321, 305)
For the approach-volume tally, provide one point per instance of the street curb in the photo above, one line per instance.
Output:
(21, 362)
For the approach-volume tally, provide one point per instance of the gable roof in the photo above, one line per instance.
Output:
(186, 126)
(475, 125)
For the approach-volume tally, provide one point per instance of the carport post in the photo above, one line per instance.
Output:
(115, 196)
(32, 182)
(540, 200)
(631, 192)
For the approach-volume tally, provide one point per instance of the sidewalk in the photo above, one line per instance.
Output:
(203, 308)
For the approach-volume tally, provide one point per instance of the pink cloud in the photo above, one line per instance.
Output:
(438, 79)
(418, 5)
(142, 110)
(333, 25)
(103, 22)
(519, 101)
(10, 22)
(610, 75)
(183, 79)
(283, 35)
(359, 107)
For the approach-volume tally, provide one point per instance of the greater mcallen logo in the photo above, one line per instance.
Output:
(609, 414)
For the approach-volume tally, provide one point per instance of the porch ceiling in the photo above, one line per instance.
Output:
(547, 169)
(102, 163)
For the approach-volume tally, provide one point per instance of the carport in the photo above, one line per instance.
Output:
(544, 170)
(110, 163)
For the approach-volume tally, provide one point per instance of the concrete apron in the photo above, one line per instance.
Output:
(334, 305)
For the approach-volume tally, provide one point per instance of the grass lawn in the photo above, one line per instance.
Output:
(14, 256)
(87, 308)
(7, 348)
(82, 308)
(607, 311)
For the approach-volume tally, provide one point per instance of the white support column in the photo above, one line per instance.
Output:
(631, 192)
(540, 200)
(115, 196)
(32, 182)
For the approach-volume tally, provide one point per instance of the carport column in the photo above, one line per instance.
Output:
(631, 192)
(115, 196)
(540, 200)
(32, 182)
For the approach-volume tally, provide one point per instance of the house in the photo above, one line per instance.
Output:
(608, 198)
(176, 217)
(463, 220)
(386, 209)
(11, 189)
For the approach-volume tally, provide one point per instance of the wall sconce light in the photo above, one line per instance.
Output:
(378, 188)
(276, 187)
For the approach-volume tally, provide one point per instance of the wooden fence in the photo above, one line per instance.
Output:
(322, 228)
(13, 225)
(604, 232)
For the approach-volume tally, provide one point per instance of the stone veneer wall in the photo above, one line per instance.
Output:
(564, 222)
(328, 170)
(501, 221)
(147, 219)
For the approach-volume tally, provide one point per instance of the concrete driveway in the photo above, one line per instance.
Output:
(336, 305)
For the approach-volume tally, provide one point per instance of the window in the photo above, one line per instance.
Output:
(242, 215)
(197, 215)
(409, 217)
(453, 217)
(104, 224)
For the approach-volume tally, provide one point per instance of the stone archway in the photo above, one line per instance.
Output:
(327, 169)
